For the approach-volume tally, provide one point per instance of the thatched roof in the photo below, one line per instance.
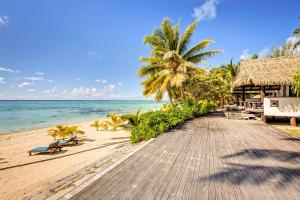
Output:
(267, 71)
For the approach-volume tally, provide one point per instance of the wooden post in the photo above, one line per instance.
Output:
(243, 96)
(262, 96)
(293, 121)
(264, 118)
(284, 91)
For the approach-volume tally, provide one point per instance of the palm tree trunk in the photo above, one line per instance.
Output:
(170, 97)
(182, 93)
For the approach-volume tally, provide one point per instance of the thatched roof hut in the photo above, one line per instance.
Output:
(267, 71)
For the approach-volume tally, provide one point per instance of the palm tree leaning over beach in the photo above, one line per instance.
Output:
(171, 63)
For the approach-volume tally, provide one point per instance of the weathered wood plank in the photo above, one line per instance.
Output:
(209, 158)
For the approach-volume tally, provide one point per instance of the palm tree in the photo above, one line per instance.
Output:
(96, 125)
(116, 121)
(171, 63)
(296, 33)
(73, 130)
(133, 118)
(232, 69)
(105, 125)
(58, 131)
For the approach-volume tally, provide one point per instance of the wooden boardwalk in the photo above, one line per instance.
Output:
(208, 158)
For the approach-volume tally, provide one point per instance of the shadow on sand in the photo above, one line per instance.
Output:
(58, 157)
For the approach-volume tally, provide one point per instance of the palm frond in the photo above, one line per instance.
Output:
(185, 38)
(168, 33)
(178, 79)
(296, 32)
(153, 41)
(297, 44)
(201, 45)
(149, 70)
(202, 56)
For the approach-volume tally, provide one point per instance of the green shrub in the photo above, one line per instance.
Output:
(154, 123)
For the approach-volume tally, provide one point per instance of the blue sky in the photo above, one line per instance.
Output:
(68, 49)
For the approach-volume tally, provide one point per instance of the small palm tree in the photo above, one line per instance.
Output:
(232, 69)
(96, 125)
(53, 133)
(58, 131)
(133, 119)
(105, 125)
(73, 130)
(116, 121)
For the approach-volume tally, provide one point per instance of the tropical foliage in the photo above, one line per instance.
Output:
(214, 85)
(105, 125)
(116, 121)
(154, 123)
(62, 132)
(296, 84)
(133, 119)
(172, 63)
(96, 125)
(297, 33)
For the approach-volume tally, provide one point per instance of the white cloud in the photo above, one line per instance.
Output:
(5, 69)
(206, 11)
(34, 78)
(25, 84)
(109, 88)
(245, 55)
(4, 20)
(120, 83)
(64, 92)
(2, 80)
(264, 52)
(83, 92)
(31, 90)
(50, 81)
(50, 92)
(78, 79)
(101, 80)
(94, 54)
(39, 73)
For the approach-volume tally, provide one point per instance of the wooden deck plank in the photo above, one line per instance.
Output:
(208, 158)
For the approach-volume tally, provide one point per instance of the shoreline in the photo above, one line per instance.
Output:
(50, 126)
(41, 170)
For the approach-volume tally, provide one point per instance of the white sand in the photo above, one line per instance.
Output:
(22, 175)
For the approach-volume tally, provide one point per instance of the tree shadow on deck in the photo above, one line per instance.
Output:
(237, 174)
(280, 155)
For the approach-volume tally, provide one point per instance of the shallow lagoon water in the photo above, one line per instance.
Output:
(23, 115)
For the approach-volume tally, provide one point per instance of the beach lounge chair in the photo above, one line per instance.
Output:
(51, 148)
(71, 140)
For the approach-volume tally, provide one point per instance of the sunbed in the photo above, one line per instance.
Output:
(71, 140)
(53, 147)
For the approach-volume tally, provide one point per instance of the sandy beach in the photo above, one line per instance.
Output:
(22, 175)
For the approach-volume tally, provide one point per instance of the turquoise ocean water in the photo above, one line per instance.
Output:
(22, 115)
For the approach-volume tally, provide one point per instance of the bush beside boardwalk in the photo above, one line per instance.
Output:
(154, 123)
